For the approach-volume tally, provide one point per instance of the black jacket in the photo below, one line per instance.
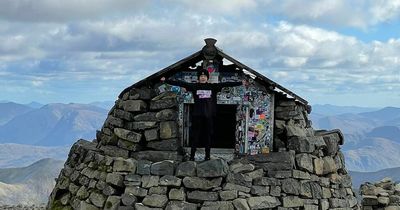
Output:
(204, 94)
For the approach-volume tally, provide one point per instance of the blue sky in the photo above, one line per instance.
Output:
(329, 52)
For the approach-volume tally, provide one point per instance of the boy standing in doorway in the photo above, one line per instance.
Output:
(204, 110)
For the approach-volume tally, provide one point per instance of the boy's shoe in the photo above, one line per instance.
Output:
(207, 158)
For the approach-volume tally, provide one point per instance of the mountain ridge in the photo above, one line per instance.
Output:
(37, 126)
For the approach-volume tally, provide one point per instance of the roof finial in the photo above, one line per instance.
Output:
(209, 51)
(210, 41)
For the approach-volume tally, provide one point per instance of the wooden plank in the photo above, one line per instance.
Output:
(262, 77)
(171, 68)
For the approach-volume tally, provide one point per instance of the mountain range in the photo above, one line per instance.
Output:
(367, 134)
(33, 136)
(361, 177)
(20, 155)
(29, 185)
(50, 125)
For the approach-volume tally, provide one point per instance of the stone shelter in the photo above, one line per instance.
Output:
(266, 155)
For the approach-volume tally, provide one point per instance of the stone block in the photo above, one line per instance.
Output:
(164, 145)
(240, 204)
(97, 199)
(274, 157)
(128, 199)
(136, 191)
(143, 167)
(115, 179)
(266, 181)
(316, 190)
(291, 186)
(113, 121)
(163, 104)
(114, 151)
(141, 125)
(223, 205)
(187, 168)
(318, 166)
(133, 179)
(228, 195)
(212, 168)
(301, 144)
(156, 156)
(293, 130)
(85, 206)
(305, 162)
(241, 167)
(297, 174)
(239, 179)
(305, 189)
(329, 165)
(112, 203)
(147, 116)
(255, 174)
(181, 205)
(165, 167)
(259, 190)
(201, 183)
(201, 196)
(128, 135)
(332, 143)
(337, 203)
(369, 200)
(311, 207)
(155, 200)
(280, 174)
(169, 180)
(160, 190)
(263, 202)
(82, 193)
(151, 134)
(167, 114)
(275, 191)
(124, 165)
(140, 206)
(177, 194)
(230, 186)
(118, 113)
(292, 201)
(109, 190)
(150, 181)
(128, 145)
(168, 129)
(134, 105)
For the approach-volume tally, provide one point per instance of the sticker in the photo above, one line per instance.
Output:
(204, 93)
(262, 116)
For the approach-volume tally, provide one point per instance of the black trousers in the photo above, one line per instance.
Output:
(202, 130)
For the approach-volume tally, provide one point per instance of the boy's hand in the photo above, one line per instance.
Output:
(162, 79)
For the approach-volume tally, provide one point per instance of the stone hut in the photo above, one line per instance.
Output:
(265, 154)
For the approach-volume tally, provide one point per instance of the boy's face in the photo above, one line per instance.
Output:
(203, 79)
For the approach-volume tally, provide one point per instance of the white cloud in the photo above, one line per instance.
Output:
(124, 49)
(59, 10)
(355, 13)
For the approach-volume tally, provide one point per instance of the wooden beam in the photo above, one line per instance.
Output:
(274, 84)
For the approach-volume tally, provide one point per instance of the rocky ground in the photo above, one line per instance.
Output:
(22, 207)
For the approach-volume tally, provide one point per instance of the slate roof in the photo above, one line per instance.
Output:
(198, 56)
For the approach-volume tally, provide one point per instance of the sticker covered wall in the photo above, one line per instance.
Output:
(254, 119)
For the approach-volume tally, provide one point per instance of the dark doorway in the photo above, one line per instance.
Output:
(225, 127)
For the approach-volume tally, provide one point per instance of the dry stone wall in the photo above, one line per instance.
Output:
(384, 194)
(135, 164)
